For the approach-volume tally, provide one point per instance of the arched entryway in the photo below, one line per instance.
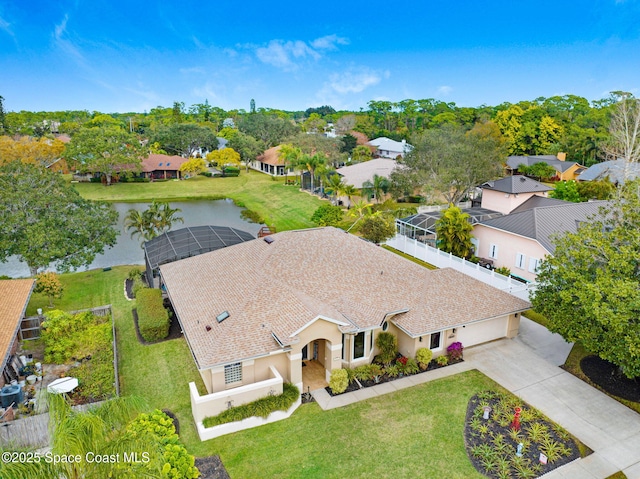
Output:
(316, 364)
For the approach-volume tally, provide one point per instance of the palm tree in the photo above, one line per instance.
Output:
(290, 155)
(360, 209)
(98, 432)
(349, 191)
(453, 232)
(311, 163)
(334, 182)
(378, 187)
(140, 223)
(164, 216)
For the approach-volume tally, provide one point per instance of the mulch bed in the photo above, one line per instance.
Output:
(353, 386)
(211, 467)
(173, 417)
(175, 331)
(530, 457)
(607, 376)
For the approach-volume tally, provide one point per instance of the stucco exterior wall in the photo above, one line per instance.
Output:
(505, 203)
(509, 246)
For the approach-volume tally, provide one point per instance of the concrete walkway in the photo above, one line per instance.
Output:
(550, 346)
(610, 429)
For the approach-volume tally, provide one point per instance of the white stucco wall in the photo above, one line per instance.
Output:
(505, 202)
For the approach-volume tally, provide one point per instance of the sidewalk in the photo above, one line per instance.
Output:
(610, 429)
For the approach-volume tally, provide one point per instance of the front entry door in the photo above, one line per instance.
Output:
(305, 354)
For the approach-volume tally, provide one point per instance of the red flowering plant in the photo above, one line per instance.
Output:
(402, 360)
(454, 351)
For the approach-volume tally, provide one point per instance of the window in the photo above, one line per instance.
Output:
(370, 341)
(344, 345)
(534, 263)
(434, 342)
(520, 260)
(385, 325)
(233, 373)
(493, 251)
(358, 345)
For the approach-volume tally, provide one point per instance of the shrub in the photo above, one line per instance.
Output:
(351, 374)
(153, 318)
(442, 360)
(327, 215)
(411, 366)
(339, 381)
(368, 372)
(454, 351)
(49, 284)
(134, 273)
(394, 370)
(503, 270)
(260, 408)
(423, 357)
(387, 343)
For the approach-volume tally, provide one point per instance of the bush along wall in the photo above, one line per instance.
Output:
(153, 318)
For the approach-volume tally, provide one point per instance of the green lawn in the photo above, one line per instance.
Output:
(282, 206)
(416, 432)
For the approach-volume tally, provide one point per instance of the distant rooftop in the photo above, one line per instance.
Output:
(516, 184)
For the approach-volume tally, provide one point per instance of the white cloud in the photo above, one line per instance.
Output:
(59, 34)
(354, 81)
(329, 42)
(445, 90)
(208, 91)
(283, 54)
(6, 27)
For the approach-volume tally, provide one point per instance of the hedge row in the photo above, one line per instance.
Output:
(153, 318)
(261, 407)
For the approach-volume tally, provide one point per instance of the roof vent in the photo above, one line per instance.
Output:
(222, 316)
(523, 179)
(207, 327)
(268, 239)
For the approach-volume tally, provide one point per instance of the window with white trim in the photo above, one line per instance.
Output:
(493, 251)
(435, 342)
(520, 260)
(233, 373)
(534, 264)
(358, 345)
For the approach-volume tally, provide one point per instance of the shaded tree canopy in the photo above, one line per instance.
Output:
(590, 288)
(44, 221)
(184, 139)
(450, 161)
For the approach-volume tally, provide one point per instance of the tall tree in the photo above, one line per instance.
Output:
(590, 288)
(184, 139)
(625, 131)
(453, 232)
(3, 125)
(43, 151)
(44, 221)
(290, 155)
(107, 151)
(451, 161)
(377, 187)
(158, 218)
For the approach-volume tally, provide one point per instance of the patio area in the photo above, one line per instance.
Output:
(313, 375)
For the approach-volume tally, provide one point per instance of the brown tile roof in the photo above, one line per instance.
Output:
(163, 162)
(271, 156)
(278, 288)
(15, 294)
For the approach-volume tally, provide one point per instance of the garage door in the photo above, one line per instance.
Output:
(478, 333)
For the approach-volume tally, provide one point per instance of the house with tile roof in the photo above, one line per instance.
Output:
(162, 167)
(565, 170)
(506, 194)
(15, 294)
(255, 312)
(359, 173)
(388, 148)
(270, 163)
(521, 239)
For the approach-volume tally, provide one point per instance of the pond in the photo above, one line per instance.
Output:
(128, 250)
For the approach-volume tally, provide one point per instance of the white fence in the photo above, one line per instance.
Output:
(441, 259)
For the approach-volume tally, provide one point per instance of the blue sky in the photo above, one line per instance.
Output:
(115, 56)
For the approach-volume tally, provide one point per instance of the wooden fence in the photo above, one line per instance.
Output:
(30, 326)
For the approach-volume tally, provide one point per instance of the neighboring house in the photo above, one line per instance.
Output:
(565, 170)
(521, 239)
(270, 163)
(163, 167)
(506, 194)
(615, 171)
(387, 148)
(359, 173)
(15, 294)
(253, 313)
(202, 153)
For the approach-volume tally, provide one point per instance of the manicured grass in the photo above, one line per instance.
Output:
(160, 372)
(409, 257)
(416, 432)
(282, 206)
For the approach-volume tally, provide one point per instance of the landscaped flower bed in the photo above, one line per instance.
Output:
(493, 443)
(369, 375)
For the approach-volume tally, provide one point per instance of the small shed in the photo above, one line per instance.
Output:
(188, 242)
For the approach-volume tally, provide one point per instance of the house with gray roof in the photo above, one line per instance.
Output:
(615, 171)
(521, 239)
(565, 170)
(388, 148)
(254, 313)
(506, 194)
